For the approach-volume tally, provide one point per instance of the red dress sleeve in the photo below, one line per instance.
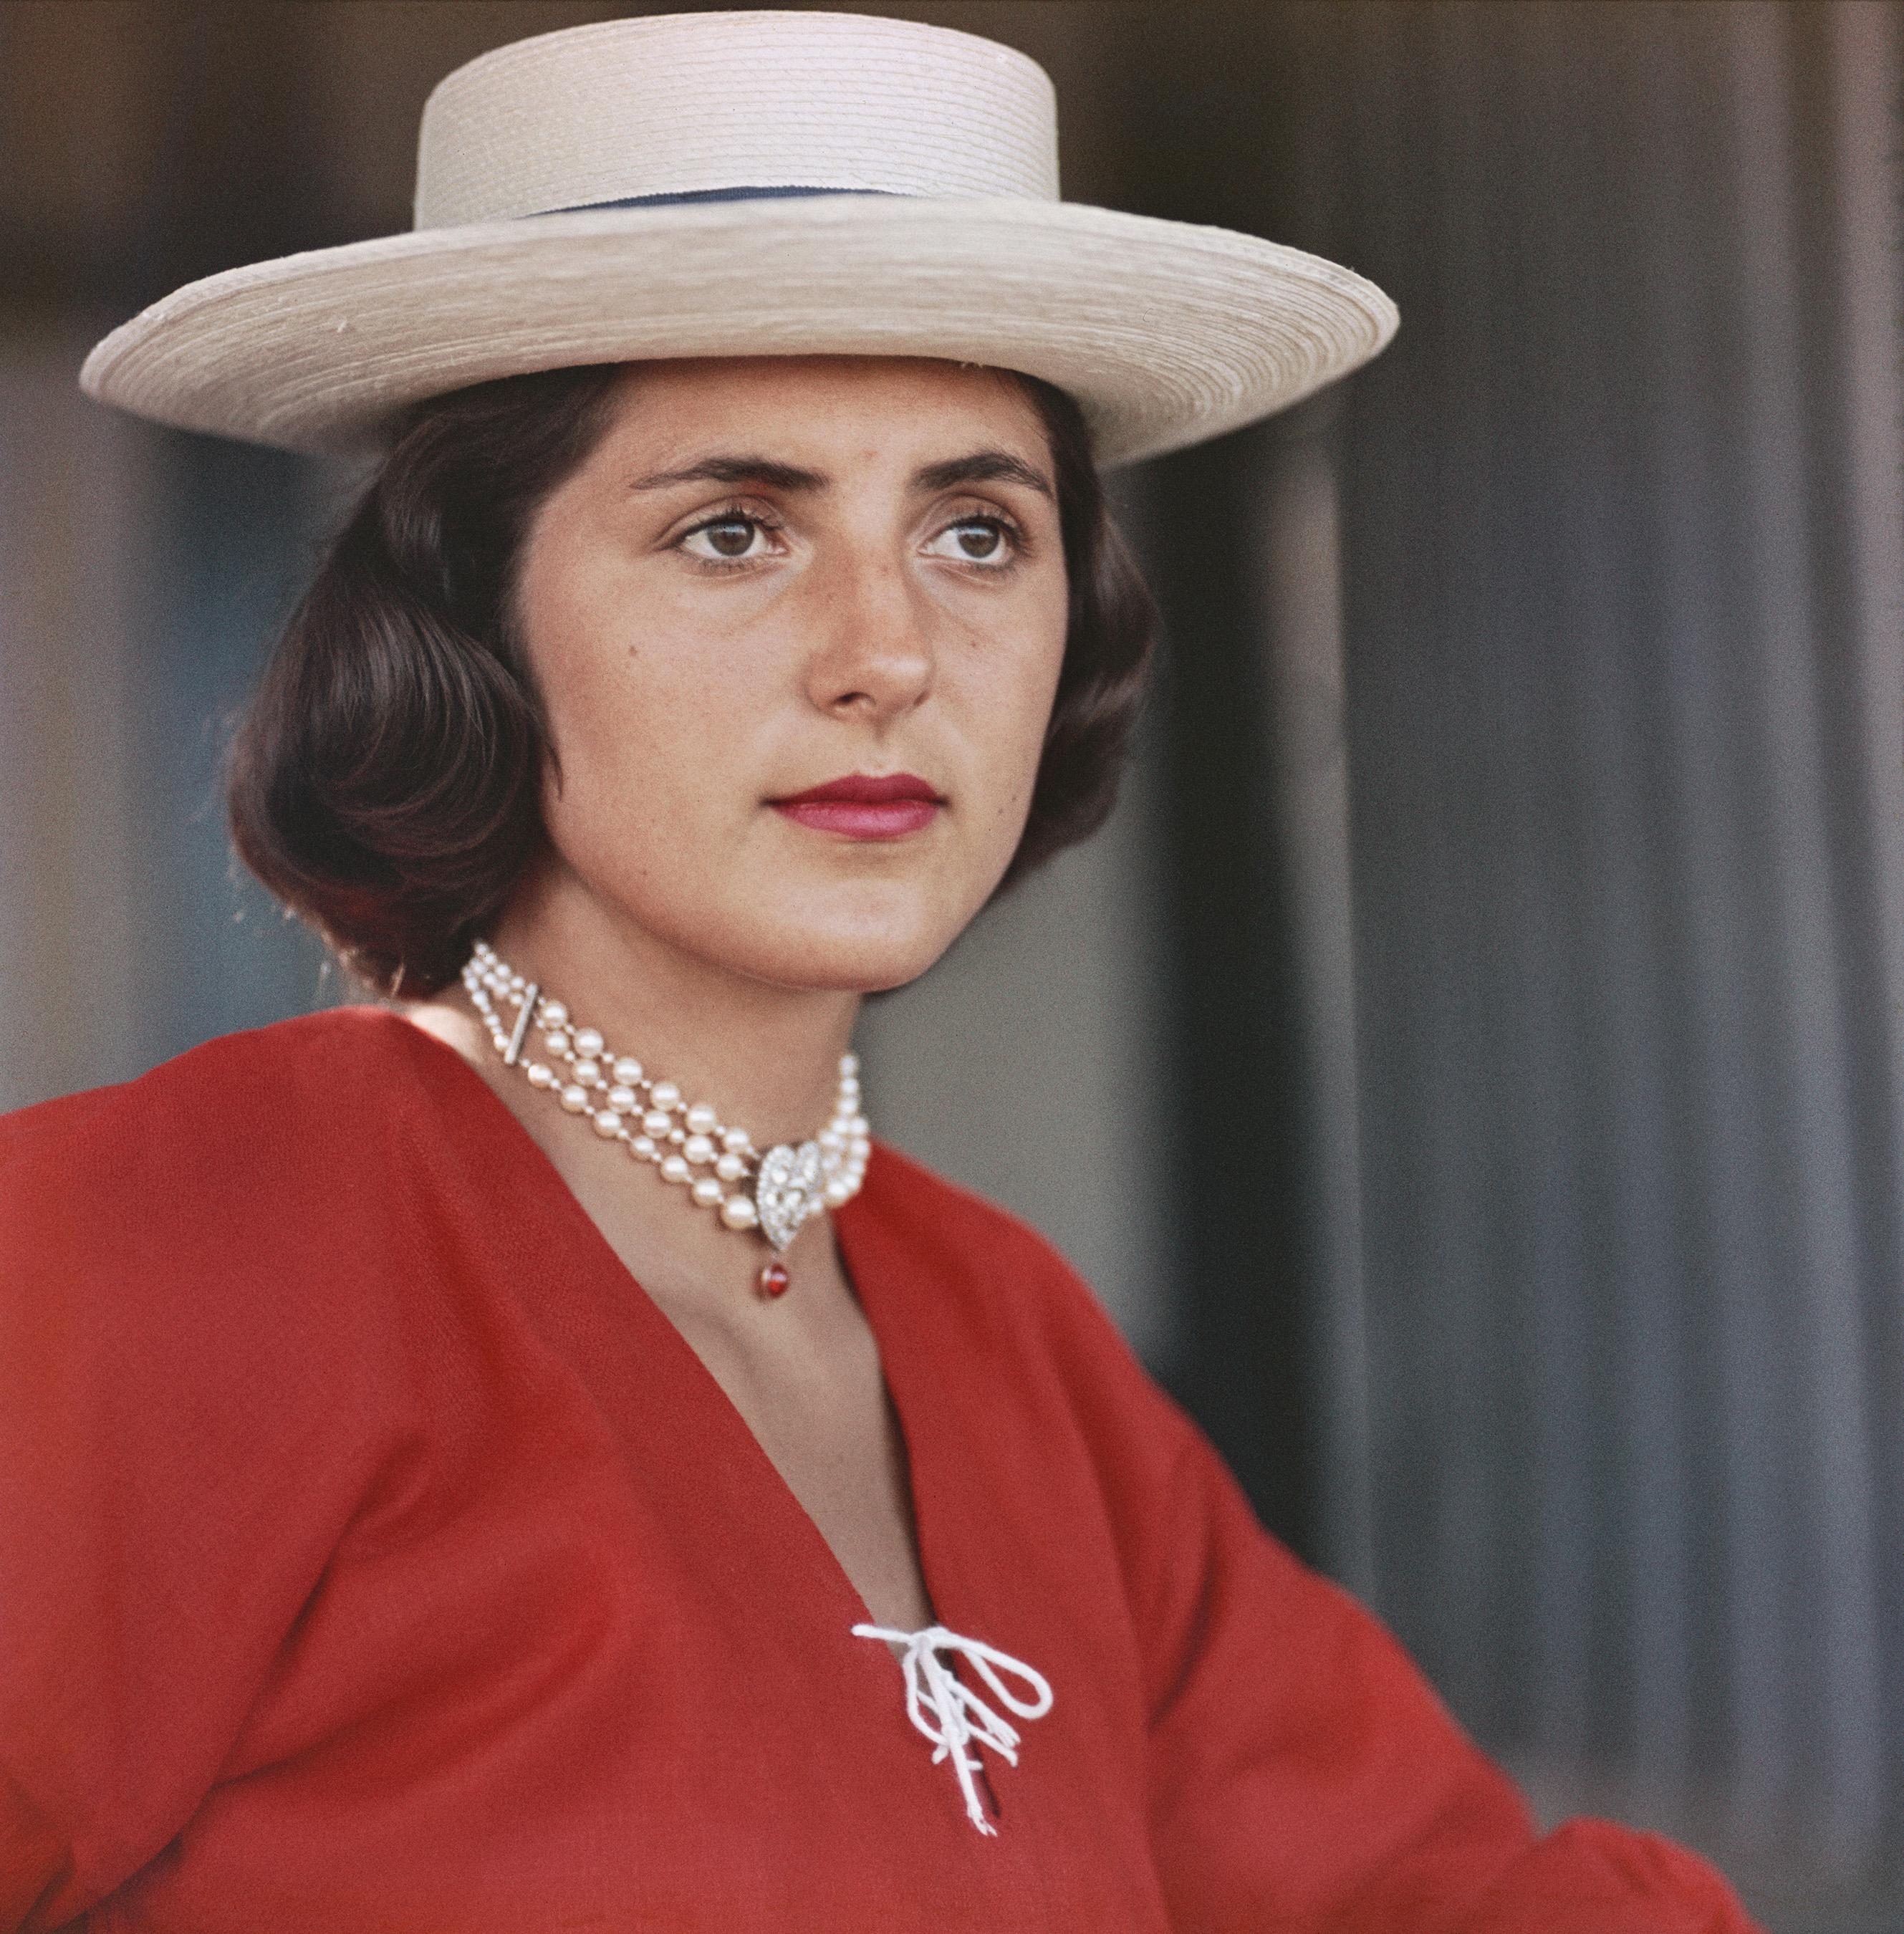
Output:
(179, 1453)
(1305, 1776)
(1302, 1777)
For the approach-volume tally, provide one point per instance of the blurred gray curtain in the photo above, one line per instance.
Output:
(1623, 515)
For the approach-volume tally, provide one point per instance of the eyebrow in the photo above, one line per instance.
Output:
(978, 466)
(981, 466)
(734, 470)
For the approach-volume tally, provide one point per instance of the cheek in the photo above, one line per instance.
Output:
(649, 720)
(1013, 714)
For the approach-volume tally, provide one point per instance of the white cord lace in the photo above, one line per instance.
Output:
(951, 1715)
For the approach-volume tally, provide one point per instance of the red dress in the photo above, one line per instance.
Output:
(375, 1558)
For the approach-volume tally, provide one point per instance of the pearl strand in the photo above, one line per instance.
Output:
(653, 1120)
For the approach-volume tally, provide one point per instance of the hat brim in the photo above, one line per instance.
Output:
(1166, 333)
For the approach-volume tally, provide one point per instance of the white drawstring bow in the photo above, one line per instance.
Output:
(960, 1714)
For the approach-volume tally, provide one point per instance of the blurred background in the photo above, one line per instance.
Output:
(1469, 1065)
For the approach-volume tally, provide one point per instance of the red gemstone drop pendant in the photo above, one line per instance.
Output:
(774, 1278)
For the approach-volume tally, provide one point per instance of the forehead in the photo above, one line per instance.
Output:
(844, 407)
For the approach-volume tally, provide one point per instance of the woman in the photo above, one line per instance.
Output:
(516, 1458)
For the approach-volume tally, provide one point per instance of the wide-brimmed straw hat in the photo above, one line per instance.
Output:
(747, 184)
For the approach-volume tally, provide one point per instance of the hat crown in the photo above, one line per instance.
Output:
(688, 104)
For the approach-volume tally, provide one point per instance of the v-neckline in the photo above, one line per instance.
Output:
(567, 1207)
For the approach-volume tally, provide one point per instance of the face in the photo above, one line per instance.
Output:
(770, 576)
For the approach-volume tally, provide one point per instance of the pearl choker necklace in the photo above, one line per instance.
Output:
(779, 1191)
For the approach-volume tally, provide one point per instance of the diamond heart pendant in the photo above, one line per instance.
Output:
(790, 1190)
(716, 1167)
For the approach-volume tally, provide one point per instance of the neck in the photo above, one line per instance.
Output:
(765, 1058)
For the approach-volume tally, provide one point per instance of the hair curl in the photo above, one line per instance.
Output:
(384, 782)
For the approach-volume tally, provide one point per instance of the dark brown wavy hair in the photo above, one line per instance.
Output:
(385, 782)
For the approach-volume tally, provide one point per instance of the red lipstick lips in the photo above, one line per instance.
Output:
(863, 808)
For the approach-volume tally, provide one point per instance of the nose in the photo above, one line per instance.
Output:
(874, 661)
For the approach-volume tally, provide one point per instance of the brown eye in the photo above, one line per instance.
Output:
(730, 538)
(975, 540)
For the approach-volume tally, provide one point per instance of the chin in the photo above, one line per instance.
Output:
(849, 975)
(860, 941)
(854, 962)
